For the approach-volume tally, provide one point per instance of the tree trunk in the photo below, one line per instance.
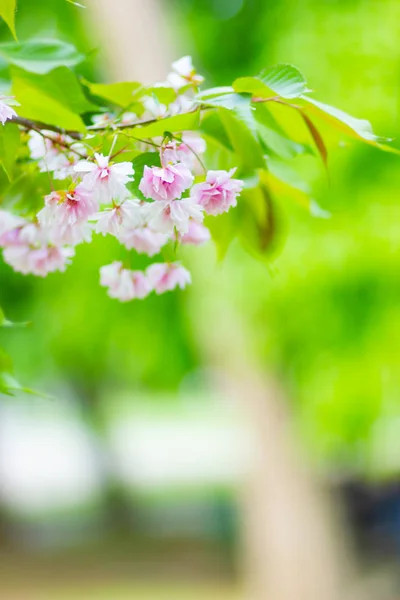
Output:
(293, 548)
(134, 40)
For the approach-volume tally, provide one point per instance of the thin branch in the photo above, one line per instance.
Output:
(39, 126)
(76, 135)
(147, 122)
(118, 152)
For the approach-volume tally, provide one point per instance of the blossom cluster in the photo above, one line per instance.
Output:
(96, 198)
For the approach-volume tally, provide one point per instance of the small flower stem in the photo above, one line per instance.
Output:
(113, 143)
(118, 152)
(203, 166)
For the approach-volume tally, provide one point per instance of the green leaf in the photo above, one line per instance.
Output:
(290, 121)
(237, 116)
(212, 127)
(9, 386)
(122, 94)
(150, 159)
(7, 12)
(240, 104)
(61, 84)
(130, 93)
(229, 100)
(284, 182)
(164, 94)
(259, 230)
(40, 56)
(38, 105)
(248, 151)
(6, 365)
(253, 86)
(317, 137)
(284, 80)
(274, 138)
(25, 193)
(4, 322)
(10, 141)
(213, 92)
(76, 3)
(308, 126)
(223, 230)
(178, 123)
(285, 173)
(358, 128)
(244, 112)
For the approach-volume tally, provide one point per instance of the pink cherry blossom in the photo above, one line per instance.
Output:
(124, 284)
(184, 73)
(106, 180)
(10, 238)
(9, 224)
(37, 261)
(70, 235)
(164, 216)
(65, 216)
(218, 193)
(114, 220)
(25, 234)
(68, 208)
(6, 112)
(143, 239)
(165, 277)
(165, 183)
(110, 274)
(197, 234)
(27, 249)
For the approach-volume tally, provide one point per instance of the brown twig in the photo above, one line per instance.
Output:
(39, 126)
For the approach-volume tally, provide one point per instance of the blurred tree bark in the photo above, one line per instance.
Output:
(134, 41)
(292, 546)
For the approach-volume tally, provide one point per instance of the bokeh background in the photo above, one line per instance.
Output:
(240, 439)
